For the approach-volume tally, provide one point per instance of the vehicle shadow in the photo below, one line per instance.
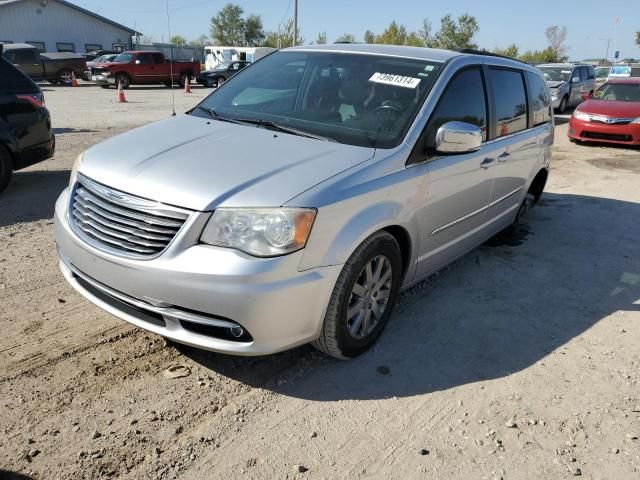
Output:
(63, 130)
(499, 310)
(7, 475)
(31, 196)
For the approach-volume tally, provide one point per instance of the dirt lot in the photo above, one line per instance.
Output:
(520, 361)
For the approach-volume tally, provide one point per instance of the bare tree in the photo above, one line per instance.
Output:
(557, 37)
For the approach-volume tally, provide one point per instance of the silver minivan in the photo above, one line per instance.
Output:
(295, 202)
(568, 83)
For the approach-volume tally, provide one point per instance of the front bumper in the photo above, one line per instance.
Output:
(585, 131)
(102, 80)
(279, 306)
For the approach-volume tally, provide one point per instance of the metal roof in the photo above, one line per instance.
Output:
(82, 10)
(421, 53)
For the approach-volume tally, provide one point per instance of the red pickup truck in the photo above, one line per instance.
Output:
(141, 67)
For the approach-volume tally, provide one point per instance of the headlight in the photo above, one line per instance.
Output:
(74, 169)
(262, 232)
(637, 120)
(581, 115)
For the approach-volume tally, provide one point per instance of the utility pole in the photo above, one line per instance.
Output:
(295, 22)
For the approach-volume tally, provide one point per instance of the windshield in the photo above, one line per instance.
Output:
(223, 66)
(621, 71)
(556, 74)
(602, 72)
(618, 92)
(123, 58)
(99, 59)
(356, 99)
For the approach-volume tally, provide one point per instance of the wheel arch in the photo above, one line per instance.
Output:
(538, 183)
(336, 248)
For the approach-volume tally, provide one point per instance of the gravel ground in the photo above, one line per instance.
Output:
(520, 361)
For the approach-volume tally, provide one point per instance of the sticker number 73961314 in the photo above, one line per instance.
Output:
(395, 80)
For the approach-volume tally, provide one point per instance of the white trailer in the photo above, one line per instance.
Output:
(215, 55)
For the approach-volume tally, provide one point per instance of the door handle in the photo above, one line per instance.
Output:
(487, 162)
(504, 157)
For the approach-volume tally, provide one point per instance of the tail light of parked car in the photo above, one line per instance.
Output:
(35, 99)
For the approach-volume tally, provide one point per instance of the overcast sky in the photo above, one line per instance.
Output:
(590, 23)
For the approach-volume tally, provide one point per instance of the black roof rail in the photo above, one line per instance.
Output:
(473, 51)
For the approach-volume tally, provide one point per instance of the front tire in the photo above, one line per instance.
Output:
(563, 105)
(6, 168)
(363, 298)
(123, 80)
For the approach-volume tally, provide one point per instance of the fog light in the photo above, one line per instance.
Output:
(237, 332)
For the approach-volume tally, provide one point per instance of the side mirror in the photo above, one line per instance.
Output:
(575, 80)
(586, 96)
(458, 137)
(138, 62)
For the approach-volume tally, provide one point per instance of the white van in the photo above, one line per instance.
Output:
(215, 55)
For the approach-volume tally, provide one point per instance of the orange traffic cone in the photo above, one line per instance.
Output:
(121, 98)
(74, 80)
(187, 84)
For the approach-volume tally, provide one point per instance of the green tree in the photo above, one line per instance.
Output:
(637, 38)
(510, 51)
(228, 26)
(253, 31)
(394, 34)
(452, 34)
(548, 55)
(346, 38)
(178, 40)
(322, 38)
(369, 37)
(283, 38)
(556, 36)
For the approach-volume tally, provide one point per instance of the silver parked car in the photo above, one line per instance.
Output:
(569, 84)
(296, 201)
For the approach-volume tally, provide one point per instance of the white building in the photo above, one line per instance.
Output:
(60, 26)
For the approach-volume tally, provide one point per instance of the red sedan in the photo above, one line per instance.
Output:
(611, 114)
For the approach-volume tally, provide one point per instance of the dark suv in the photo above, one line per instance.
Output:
(25, 124)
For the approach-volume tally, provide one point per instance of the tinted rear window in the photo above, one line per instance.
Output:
(511, 101)
(13, 80)
(539, 96)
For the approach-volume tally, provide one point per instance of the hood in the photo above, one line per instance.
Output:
(554, 83)
(611, 108)
(202, 164)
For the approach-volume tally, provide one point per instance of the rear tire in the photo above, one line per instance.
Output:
(6, 168)
(363, 298)
(64, 77)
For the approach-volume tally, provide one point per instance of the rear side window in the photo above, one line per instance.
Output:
(157, 58)
(464, 100)
(14, 81)
(540, 102)
(24, 56)
(592, 72)
(511, 101)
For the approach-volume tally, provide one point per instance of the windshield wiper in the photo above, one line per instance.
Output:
(216, 116)
(282, 128)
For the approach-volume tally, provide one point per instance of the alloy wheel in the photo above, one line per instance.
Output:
(369, 297)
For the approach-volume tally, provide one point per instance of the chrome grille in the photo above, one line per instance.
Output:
(121, 223)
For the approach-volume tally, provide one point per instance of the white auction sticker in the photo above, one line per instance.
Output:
(395, 80)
